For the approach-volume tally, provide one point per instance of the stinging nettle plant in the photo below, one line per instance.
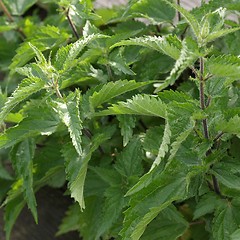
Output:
(139, 121)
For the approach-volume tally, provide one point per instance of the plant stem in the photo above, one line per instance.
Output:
(178, 13)
(204, 121)
(74, 29)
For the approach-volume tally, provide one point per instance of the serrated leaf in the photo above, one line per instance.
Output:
(11, 213)
(169, 225)
(232, 126)
(126, 124)
(27, 87)
(164, 147)
(156, 11)
(189, 54)
(22, 158)
(114, 89)
(224, 66)
(129, 161)
(226, 221)
(77, 165)
(69, 114)
(66, 56)
(150, 201)
(138, 105)
(169, 45)
(112, 209)
(207, 204)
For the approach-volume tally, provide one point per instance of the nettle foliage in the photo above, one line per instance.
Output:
(139, 120)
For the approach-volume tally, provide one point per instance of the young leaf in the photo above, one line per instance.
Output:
(126, 123)
(169, 45)
(114, 89)
(27, 87)
(138, 105)
(69, 114)
(65, 56)
(22, 158)
(232, 126)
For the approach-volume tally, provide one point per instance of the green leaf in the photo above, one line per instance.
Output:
(207, 204)
(129, 161)
(138, 105)
(25, 89)
(11, 213)
(226, 221)
(235, 235)
(126, 124)
(149, 202)
(71, 220)
(69, 114)
(45, 37)
(224, 66)
(77, 165)
(169, 45)
(41, 120)
(19, 7)
(22, 158)
(189, 54)
(169, 225)
(156, 11)
(114, 89)
(112, 209)
(232, 126)
(164, 147)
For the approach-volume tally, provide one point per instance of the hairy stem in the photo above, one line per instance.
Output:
(74, 29)
(204, 121)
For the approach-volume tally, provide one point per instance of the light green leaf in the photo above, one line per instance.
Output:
(25, 89)
(224, 66)
(66, 56)
(126, 124)
(231, 126)
(138, 105)
(169, 45)
(41, 120)
(235, 235)
(114, 89)
(22, 158)
(69, 114)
